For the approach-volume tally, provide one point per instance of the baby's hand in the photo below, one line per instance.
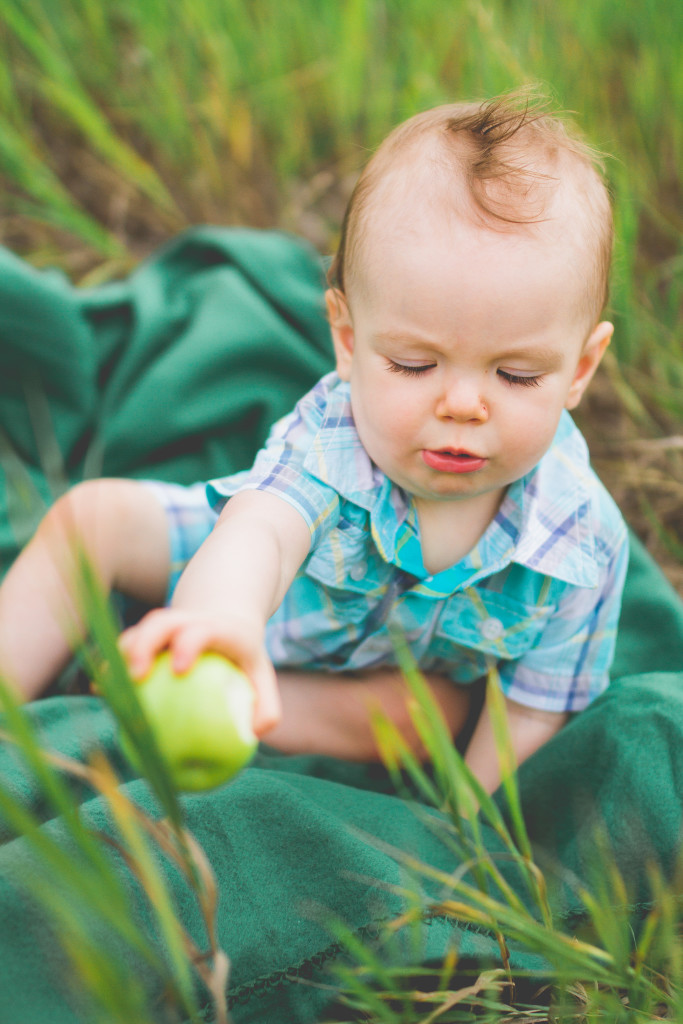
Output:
(187, 634)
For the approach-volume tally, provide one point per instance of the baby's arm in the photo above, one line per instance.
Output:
(529, 729)
(227, 593)
(331, 713)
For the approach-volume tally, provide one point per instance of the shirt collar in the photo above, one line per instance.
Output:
(544, 522)
(553, 506)
(336, 455)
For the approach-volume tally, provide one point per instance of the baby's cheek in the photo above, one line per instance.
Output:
(528, 436)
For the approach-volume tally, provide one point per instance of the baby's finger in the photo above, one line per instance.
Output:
(189, 642)
(268, 706)
(142, 642)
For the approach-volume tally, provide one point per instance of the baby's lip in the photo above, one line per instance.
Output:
(458, 451)
(453, 460)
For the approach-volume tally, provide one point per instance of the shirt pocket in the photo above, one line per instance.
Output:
(493, 624)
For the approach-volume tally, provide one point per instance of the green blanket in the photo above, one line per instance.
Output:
(176, 373)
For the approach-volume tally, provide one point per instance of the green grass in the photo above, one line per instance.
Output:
(610, 970)
(95, 919)
(122, 122)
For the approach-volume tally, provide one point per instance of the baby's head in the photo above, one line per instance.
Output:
(466, 296)
(501, 164)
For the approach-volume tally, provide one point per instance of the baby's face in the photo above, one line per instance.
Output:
(463, 345)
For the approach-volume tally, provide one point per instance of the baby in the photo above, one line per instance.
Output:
(433, 484)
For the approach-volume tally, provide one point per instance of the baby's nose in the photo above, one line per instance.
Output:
(462, 400)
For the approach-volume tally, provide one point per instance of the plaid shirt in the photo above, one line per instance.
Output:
(539, 595)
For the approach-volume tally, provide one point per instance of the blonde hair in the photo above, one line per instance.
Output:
(504, 150)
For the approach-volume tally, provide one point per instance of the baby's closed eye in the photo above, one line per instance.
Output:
(527, 380)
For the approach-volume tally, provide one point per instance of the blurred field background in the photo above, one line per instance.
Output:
(122, 123)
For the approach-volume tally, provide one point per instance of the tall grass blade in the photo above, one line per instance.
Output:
(109, 671)
(52, 202)
(153, 882)
(59, 85)
(91, 877)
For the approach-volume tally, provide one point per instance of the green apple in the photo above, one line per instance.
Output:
(201, 720)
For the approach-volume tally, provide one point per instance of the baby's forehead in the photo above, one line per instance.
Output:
(506, 170)
(547, 185)
(548, 206)
(421, 215)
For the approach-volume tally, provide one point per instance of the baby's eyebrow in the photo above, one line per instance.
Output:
(547, 358)
(404, 338)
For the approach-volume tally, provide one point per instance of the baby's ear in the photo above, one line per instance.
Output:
(342, 330)
(592, 353)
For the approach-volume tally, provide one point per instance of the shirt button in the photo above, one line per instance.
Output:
(491, 629)
(357, 572)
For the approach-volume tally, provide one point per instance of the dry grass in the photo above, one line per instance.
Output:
(644, 474)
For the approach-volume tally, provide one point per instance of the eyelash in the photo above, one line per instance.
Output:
(526, 382)
(510, 378)
(409, 371)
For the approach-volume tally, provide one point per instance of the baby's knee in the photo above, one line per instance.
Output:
(83, 509)
(96, 519)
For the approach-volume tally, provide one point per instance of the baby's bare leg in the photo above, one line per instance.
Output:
(328, 713)
(122, 529)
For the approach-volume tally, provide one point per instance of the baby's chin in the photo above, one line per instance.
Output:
(460, 492)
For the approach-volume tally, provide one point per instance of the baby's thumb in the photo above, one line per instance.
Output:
(267, 706)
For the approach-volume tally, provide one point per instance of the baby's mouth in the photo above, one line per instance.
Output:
(445, 460)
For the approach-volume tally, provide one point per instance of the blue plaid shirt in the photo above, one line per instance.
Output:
(539, 596)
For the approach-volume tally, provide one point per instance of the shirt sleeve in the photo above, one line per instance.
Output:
(279, 469)
(569, 667)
